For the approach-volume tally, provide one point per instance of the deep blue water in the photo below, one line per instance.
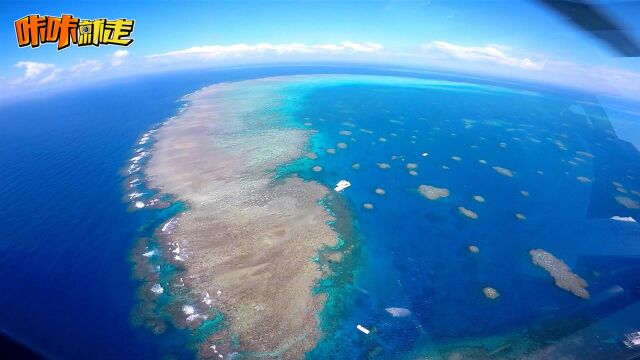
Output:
(67, 288)
(66, 237)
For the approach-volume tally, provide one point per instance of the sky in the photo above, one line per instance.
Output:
(506, 38)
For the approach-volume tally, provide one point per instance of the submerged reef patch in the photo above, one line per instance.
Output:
(503, 171)
(561, 273)
(432, 192)
(398, 312)
(468, 213)
(628, 202)
(490, 293)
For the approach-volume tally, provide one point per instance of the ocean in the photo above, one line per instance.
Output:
(566, 170)
(67, 238)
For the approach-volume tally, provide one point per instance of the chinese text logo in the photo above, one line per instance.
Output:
(66, 30)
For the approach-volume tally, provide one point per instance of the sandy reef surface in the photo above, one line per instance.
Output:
(247, 239)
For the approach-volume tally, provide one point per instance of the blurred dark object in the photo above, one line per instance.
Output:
(11, 349)
(593, 20)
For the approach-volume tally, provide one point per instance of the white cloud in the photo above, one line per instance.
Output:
(245, 50)
(490, 59)
(53, 75)
(119, 57)
(86, 67)
(602, 79)
(121, 53)
(33, 69)
(501, 60)
(37, 73)
(489, 53)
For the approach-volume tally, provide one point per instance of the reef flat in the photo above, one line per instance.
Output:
(246, 240)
